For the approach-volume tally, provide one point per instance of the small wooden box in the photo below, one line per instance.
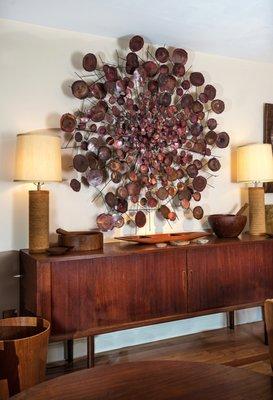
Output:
(81, 241)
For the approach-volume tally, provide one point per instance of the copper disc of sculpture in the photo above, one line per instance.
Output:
(147, 129)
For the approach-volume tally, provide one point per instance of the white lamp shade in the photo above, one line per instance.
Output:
(255, 163)
(38, 156)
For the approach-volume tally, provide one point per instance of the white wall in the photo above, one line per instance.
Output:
(37, 66)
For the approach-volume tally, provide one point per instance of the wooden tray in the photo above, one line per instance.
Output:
(164, 237)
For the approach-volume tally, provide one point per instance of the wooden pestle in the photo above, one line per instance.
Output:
(242, 209)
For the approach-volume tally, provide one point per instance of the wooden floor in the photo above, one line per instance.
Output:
(243, 348)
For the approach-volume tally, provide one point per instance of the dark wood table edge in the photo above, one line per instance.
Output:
(130, 365)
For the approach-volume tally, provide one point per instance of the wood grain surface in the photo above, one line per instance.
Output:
(229, 275)
(242, 347)
(268, 309)
(125, 286)
(112, 291)
(23, 353)
(116, 249)
(156, 381)
(164, 237)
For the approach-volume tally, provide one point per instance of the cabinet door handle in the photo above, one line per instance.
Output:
(190, 277)
(184, 278)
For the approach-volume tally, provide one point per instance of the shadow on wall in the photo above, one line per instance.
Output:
(9, 286)
(7, 156)
(20, 215)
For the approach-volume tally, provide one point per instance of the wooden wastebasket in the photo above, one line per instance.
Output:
(23, 353)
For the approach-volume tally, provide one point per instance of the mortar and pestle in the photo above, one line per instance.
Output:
(228, 225)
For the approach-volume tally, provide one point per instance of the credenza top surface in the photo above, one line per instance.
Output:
(118, 248)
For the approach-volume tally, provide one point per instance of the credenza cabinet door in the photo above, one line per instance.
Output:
(229, 275)
(105, 292)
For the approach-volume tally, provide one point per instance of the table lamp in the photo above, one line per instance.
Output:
(255, 165)
(38, 160)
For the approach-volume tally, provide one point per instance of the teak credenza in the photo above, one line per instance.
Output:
(125, 285)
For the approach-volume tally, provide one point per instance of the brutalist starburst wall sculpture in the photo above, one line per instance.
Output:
(145, 126)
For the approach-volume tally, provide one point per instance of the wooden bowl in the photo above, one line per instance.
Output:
(227, 225)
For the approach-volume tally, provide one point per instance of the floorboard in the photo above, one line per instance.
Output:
(243, 348)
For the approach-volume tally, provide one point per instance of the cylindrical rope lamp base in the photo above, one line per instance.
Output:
(38, 221)
(256, 211)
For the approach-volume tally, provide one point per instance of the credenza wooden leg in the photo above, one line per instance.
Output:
(231, 319)
(265, 331)
(69, 350)
(90, 351)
